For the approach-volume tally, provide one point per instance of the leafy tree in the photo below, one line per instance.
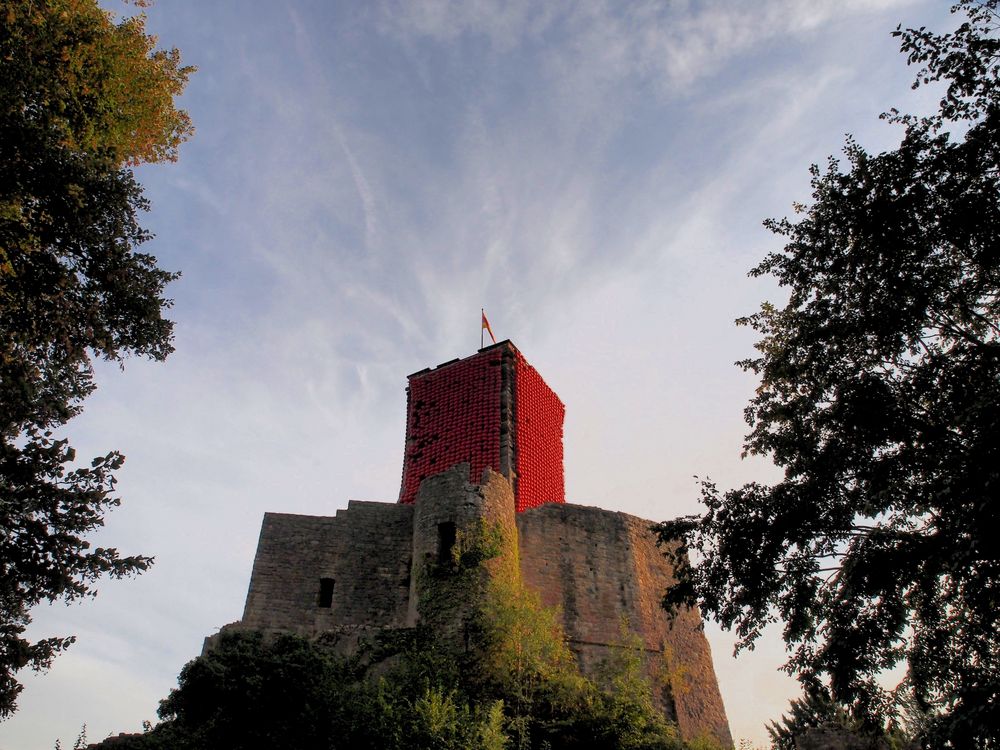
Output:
(812, 710)
(283, 691)
(880, 398)
(221, 697)
(80, 743)
(81, 99)
(816, 711)
(623, 712)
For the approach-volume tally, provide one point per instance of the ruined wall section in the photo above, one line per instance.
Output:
(450, 500)
(539, 416)
(574, 559)
(372, 572)
(291, 551)
(687, 656)
(598, 566)
(364, 550)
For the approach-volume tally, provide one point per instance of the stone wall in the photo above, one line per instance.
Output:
(449, 498)
(364, 550)
(599, 567)
(596, 566)
(686, 654)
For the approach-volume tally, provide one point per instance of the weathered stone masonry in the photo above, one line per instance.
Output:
(355, 574)
(599, 566)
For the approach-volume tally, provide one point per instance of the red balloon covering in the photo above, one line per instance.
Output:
(454, 415)
(538, 429)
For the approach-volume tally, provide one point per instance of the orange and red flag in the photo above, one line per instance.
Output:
(486, 327)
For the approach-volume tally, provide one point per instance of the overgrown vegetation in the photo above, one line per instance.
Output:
(487, 669)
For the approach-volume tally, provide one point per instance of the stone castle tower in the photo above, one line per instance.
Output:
(489, 410)
(484, 442)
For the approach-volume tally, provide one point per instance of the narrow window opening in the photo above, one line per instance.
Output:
(446, 541)
(326, 592)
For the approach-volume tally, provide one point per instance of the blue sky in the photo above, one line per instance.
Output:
(365, 176)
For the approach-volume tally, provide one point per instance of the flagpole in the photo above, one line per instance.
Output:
(482, 314)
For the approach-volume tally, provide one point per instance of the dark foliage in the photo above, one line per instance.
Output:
(79, 98)
(816, 711)
(282, 691)
(880, 399)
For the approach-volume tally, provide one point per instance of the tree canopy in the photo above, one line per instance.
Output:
(82, 98)
(879, 397)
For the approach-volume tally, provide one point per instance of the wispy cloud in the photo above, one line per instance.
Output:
(362, 186)
(671, 43)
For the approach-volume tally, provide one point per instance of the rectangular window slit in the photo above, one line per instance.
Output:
(326, 592)
(446, 541)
